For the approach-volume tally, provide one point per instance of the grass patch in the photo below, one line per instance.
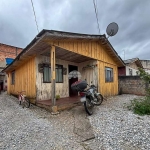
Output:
(140, 106)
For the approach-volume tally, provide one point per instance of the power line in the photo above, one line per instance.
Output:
(34, 16)
(96, 15)
(96, 12)
(96, 7)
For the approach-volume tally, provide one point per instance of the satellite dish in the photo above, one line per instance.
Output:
(112, 29)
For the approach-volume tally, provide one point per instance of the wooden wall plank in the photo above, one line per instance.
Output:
(26, 74)
(8, 82)
(24, 79)
(97, 51)
(107, 88)
(90, 48)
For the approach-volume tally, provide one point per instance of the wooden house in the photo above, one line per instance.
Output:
(42, 68)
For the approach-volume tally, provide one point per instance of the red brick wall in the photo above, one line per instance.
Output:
(7, 51)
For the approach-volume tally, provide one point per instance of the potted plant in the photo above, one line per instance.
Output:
(57, 97)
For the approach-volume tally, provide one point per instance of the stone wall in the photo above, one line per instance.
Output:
(131, 85)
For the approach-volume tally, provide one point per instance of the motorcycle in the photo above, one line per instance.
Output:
(90, 97)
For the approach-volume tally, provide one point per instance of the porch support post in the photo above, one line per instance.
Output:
(54, 107)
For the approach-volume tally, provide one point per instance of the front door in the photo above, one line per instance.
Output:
(72, 80)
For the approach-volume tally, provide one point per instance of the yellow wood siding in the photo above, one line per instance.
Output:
(8, 82)
(29, 79)
(24, 79)
(107, 88)
(87, 48)
(96, 51)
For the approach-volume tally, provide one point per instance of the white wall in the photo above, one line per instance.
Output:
(134, 71)
(43, 90)
(146, 65)
(90, 74)
(147, 70)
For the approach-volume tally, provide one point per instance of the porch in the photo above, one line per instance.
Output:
(62, 103)
(43, 69)
(58, 81)
(55, 58)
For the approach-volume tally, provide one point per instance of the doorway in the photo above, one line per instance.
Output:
(72, 80)
(1, 85)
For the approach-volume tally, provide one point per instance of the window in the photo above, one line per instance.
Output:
(137, 73)
(59, 73)
(130, 72)
(47, 74)
(13, 77)
(108, 74)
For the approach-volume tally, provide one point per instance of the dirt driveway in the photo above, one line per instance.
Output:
(114, 127)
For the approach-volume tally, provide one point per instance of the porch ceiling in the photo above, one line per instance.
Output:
(67, 55)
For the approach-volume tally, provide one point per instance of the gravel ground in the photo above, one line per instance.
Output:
(114, 127)
(118, 128)
(34, 128)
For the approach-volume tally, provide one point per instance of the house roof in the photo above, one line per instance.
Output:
(134, 60)
(38, 42)
(11, 45)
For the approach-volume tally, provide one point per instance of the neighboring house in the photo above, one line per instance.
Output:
(146, 65)
(131, 67)
(42, 68)
(7, 54)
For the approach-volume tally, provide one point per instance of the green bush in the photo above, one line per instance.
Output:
(141, 106)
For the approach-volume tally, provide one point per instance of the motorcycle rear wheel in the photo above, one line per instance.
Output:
(99, 100)
(88, 106)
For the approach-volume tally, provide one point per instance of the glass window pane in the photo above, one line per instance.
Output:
(57, 75)
(47, 74)
(108, 74)
(60, 75)
(13, 77)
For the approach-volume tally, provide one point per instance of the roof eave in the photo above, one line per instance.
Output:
(38, 37)
(115, 53)
(50, 32)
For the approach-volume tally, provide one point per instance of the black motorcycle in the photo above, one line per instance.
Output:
(89, 96)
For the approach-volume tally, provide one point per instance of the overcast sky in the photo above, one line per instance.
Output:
(17, 23)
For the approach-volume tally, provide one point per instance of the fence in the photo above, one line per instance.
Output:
(131, 85)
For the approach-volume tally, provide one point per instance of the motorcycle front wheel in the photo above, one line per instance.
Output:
(88, 106)
(99, 98)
